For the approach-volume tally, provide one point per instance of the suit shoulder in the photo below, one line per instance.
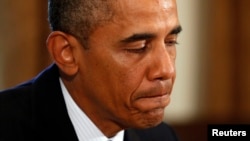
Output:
(17, 91)
(15, 99)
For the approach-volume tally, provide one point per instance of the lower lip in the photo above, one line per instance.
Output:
(163, 97)
(149, 103)
(158, 98)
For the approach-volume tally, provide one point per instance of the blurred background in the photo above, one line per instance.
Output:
(213, 60)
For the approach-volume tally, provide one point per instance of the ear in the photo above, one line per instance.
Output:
(61, 50)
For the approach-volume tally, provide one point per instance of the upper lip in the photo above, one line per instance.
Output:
(153, 95)
(155, 92)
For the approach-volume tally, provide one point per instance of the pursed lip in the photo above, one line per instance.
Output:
(153, 95)
(151, 101)
(158, 90)
(154, 92)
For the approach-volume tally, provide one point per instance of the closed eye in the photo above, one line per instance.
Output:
(137, 50)
(137, 47)
(170, 43)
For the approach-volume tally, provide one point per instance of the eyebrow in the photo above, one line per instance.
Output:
(176, 30)
(138, 37)
(146, 36)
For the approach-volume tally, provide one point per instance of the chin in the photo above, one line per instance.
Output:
(152, 123)
(148, 124)
(150, 119)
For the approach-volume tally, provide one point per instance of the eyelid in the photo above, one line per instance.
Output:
(171, 44)
(171, 41)
(137, 47)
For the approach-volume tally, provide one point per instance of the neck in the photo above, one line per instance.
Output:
(98, 116)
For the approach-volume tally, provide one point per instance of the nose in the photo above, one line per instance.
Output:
(162, 63)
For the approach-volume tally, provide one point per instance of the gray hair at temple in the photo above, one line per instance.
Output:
(78, 17)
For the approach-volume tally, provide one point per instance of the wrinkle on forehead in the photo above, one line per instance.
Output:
(138, 4)
(124, 8)
(165, 4)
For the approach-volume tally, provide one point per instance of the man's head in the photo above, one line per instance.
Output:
(125, 77)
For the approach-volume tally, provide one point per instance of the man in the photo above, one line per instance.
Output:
(112, 76)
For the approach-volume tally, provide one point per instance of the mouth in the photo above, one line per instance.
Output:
(157, 97)
(158, 91)
(153, 95)
(150, 102)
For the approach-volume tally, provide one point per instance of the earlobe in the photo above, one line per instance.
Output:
(62, 52)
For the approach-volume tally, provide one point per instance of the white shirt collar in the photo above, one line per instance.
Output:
(85, 129)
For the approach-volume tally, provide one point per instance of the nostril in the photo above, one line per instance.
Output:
(166, 74)
(162, 71)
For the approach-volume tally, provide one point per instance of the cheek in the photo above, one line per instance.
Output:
(127, 76)
(129, 81)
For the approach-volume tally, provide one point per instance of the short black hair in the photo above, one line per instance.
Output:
(78, 17)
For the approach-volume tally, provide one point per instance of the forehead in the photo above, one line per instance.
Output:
(145, 11)
(133, 6)
(138, 16)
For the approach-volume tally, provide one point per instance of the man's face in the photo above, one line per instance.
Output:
(128, 72)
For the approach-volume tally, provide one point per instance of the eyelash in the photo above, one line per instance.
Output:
(170, 43)
(138, 50)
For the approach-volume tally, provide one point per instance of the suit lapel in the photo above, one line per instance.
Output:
(51, 118)
(130, 135)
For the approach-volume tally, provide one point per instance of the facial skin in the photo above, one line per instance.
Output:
(125, 77)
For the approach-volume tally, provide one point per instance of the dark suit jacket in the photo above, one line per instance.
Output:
(36, 111)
